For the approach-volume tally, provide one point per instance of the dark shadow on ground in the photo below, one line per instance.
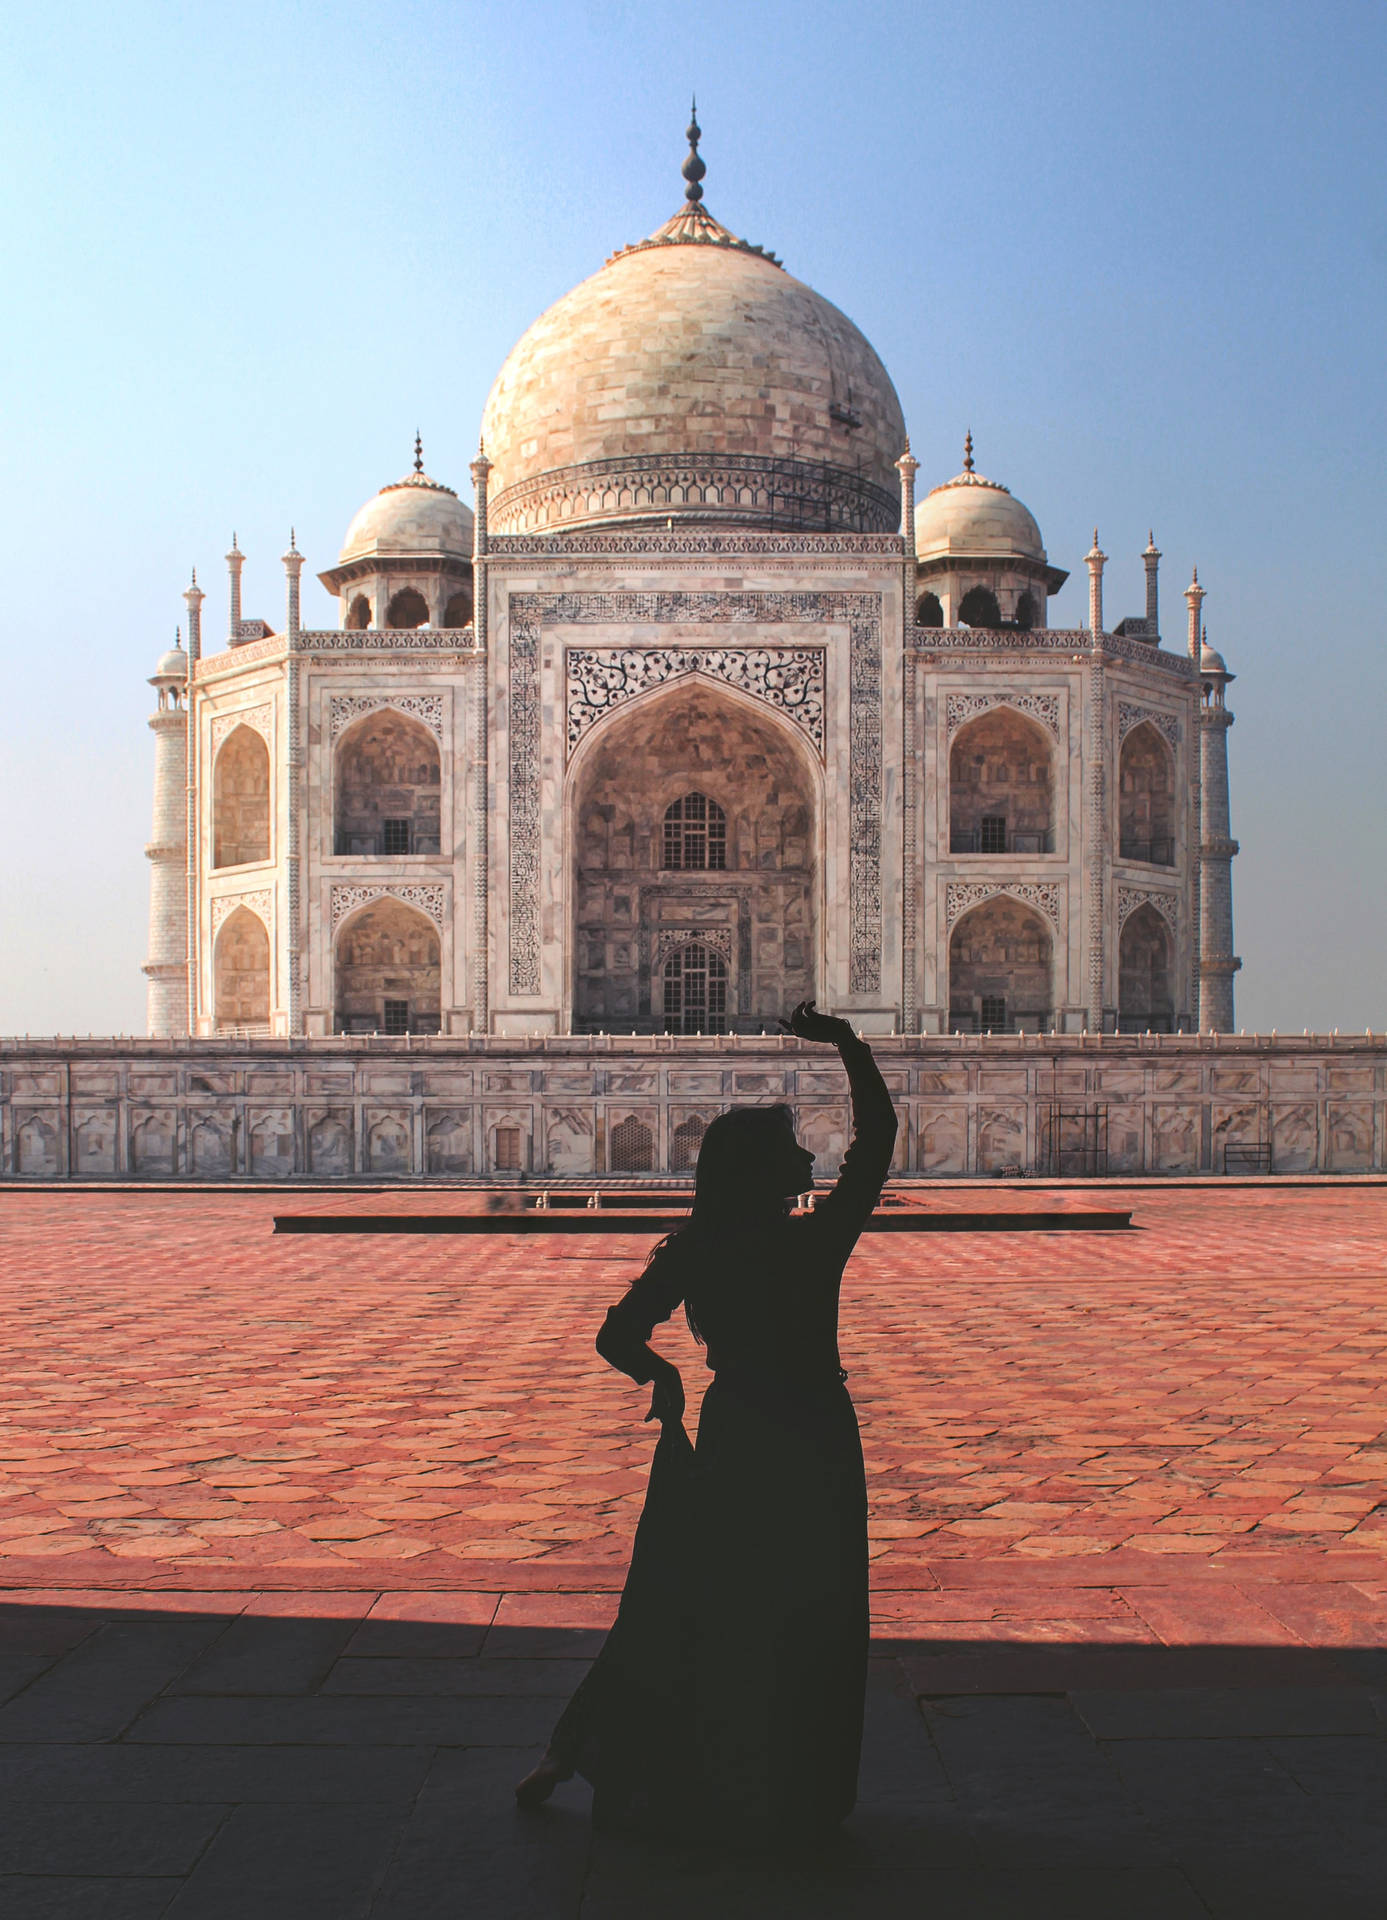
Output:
(179, 1760)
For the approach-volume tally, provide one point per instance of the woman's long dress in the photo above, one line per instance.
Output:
(729, 1693)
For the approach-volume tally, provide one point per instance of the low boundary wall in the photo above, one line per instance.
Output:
(451, 1108)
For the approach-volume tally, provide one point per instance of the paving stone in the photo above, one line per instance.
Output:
(133, 1771)
(292, 1863)
(129, 1839)
(324, 1721)
(443, 1676)
(65, 1897)
(1034, 1787)
(467, 1849)
(257, 1655)
(1225, 1712)
(93, 1692)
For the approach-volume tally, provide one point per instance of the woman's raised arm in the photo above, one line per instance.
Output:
(849, 1204)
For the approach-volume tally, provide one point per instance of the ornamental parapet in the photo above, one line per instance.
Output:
(680, 544)
(1016, 640)
(388, 640)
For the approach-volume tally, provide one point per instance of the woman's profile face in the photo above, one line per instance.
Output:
(792, 1166)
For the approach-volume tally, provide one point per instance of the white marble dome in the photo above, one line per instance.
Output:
(693, 377)
(416, 516)
(173, 665)
(971, 515)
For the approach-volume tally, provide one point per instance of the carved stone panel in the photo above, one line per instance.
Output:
(600, 679)
(427, 708)
(532, 613)
(960, 708)
(1043, 895)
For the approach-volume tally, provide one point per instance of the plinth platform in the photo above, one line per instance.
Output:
(304, 1541)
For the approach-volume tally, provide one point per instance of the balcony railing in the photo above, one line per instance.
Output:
(1007, 840)
(1158, 852)
(967, 1021)
(371, 846)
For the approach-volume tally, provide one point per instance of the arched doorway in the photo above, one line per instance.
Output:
(388, 976)
(1145, 1002)
(241, 800)
(408, 608)
(388, 787)
(241, 974)
(1001, 786)
(692, 818)
(978, 608)
(1146, 798)
(694, 990)
(1001, 970)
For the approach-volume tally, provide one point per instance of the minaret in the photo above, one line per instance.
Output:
(907, 467)
(194, 597)
(167, 965)
(235, 560)
(1217, 960)
(1095, 560)
(479, 984)
(1151, 559)
(1194, 600)
(293, 727)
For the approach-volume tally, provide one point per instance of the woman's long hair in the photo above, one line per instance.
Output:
(730, 1194)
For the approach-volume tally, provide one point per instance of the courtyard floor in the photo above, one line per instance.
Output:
(303, 1542)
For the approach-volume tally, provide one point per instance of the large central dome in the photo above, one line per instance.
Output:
(692, 377)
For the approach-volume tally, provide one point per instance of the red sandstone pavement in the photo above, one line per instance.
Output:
(1128, 1522)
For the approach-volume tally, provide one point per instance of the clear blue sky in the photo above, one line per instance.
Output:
(1141, 250)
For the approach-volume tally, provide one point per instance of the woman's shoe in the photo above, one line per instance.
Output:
(536, 1787)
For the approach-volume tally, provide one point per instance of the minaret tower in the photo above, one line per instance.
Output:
(167, 965)
(1217, 960)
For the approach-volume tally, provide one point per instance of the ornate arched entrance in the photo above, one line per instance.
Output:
(1001, 970)
(692, 823)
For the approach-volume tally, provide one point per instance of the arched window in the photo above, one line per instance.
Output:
(695, 834)
(1025, 611)
(359, 614)
(388, 978)
(1000, 958)
(695, 990)
(388, 787)
(1001, 788)
(684, 1143)
(1144, 1001)
(929, 611)
(241, 974)
(978, 608)
(408, 608)
(458, 612)
(632, 1146)
(1146, 799)
(241, 800)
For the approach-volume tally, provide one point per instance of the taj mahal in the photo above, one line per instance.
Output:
(706, 707)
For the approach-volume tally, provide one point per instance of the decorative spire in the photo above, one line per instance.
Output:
(968, 453)
(693, 168)
(418, 452)
(194, 576)
(178, 638)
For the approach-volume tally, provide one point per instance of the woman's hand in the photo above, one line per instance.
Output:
(807, 1024)
(667, 1400)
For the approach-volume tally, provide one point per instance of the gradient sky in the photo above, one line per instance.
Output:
(1140, 250)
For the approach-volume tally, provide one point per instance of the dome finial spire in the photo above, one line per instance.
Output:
(693, 168)
(968, 451)
(418, 452)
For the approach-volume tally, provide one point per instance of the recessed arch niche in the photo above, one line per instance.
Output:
(1001, 785)
(387, 970)
(241, 800)
(1145, 1002)
(1001, 969)
(241, 973)
(1146, 798)
(388, 787)
(757, 911)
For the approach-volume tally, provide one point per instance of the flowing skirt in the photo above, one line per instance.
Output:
(728, 1696)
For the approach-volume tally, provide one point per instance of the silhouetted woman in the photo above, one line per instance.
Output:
(728, 1696)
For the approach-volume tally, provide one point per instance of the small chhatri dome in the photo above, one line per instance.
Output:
(173, 665)
(414, 516)
(693, 378)
(1211, 661)
(972, 515)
